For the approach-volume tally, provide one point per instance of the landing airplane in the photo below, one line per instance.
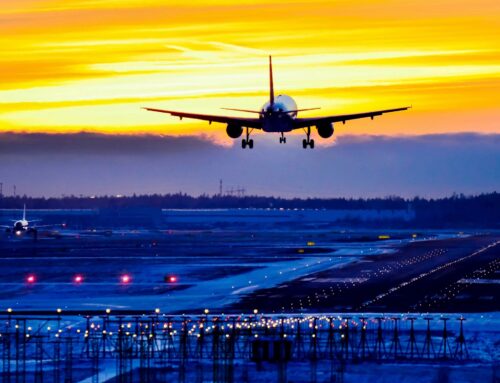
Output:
(278, 115)
(23, 225)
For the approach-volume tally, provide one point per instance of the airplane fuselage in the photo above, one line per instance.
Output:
(279, 116)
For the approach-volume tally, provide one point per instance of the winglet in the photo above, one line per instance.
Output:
(271, 82)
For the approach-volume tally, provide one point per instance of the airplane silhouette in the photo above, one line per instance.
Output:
(278, 115)
(22, 225)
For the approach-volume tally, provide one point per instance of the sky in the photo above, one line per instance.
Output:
(75, 66)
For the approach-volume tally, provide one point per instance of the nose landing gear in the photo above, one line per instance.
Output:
(282, 138)
(308, 141)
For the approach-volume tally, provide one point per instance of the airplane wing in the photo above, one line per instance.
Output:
(254, 123)
(315, 121)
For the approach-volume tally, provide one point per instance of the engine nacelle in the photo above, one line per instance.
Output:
(325, 130)
(234, 131)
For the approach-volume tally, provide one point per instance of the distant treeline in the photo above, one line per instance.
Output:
(458, 210)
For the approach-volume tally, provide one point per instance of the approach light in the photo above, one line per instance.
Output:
(78, 278)
(171, 279)
(125, 278)
(31, 278)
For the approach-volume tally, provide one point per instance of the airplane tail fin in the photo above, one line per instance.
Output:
(271, 82)
(24, 212)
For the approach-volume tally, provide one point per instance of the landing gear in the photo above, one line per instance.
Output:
(308, 141)
(282, 138)
(247, 141)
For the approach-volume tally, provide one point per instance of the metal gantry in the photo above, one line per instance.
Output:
(150, 347)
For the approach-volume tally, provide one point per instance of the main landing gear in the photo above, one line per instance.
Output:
(308, 141)
(282, 138)
(247, 141)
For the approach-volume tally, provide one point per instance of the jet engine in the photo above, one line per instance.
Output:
(234, 131)
(325, 130)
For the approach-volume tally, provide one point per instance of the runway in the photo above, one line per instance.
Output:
(230, 270)
(420, 277)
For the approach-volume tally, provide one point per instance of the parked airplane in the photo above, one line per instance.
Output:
(23, 225)
(278, 115)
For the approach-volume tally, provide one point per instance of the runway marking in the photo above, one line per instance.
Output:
(245, 289)
(340, 280)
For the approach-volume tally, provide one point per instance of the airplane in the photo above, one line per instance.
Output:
(23, 225)
(278, 115)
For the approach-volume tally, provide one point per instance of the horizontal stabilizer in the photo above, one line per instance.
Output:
(301, 110)
(259, 112)
(243, 110)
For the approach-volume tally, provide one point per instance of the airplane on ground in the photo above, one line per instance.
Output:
(22, 225)
(278, 115)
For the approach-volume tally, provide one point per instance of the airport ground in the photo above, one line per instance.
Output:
(271, 269)
(230, 270)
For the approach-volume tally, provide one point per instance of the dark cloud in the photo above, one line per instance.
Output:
(90, 143)
(84, 163)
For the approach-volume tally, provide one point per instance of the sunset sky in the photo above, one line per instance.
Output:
(73, 66)
(90, 65)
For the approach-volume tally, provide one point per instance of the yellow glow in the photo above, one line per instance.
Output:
(88, 65)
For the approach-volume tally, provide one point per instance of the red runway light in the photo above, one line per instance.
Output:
(125, 278)
(31, 279)
(78, 279)
(171, 279)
